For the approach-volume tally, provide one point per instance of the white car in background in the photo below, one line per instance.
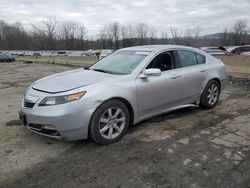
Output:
(105, 53)
(76, 54)
(213, 50)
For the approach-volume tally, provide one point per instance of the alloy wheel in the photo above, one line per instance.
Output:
(213, 94)
(112, 123)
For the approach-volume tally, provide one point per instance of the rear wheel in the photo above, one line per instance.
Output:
(211, 94)
(109, 122)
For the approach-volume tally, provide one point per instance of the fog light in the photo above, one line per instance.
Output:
(49, 127)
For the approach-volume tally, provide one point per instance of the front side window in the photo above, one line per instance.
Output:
(120, 62)
(186, 58)
(163, 61)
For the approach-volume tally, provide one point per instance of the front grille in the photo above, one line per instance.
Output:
(28, 104)
(35, 126)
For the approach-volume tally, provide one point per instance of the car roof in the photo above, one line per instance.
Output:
(156, 48)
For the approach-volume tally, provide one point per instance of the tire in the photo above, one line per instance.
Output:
(211, 94)
(112, 114)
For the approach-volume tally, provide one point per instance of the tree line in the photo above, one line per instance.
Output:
(50, 34)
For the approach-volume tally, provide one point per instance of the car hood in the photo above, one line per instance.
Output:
(70, 80)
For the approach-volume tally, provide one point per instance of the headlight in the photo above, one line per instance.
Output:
(48, 101)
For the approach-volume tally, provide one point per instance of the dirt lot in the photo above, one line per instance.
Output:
(188, 148)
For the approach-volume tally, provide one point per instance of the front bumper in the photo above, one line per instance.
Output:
(69, 121)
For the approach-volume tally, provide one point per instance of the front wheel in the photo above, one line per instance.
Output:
(109, 122)
(210, 95)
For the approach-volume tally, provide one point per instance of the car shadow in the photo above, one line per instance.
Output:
(166, 116)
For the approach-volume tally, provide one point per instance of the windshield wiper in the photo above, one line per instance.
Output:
(86, 68)
(108, 72)
(100, 70)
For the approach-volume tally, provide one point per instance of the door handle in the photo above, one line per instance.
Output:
(203, 70)
(175, 76)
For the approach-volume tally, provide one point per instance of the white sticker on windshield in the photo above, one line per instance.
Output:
(142, 53)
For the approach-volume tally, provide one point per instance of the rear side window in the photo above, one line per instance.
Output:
(200, 59)
(245, 49)
(186, 58)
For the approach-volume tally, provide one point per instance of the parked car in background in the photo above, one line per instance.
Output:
(128, 86)
(213, 50)
(76, 53)
(105, 53)
(36, 54)
(29, 53)
(237, 50)
(61, 53)
(6, 58)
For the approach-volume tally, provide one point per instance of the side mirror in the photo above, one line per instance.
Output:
(150, 72)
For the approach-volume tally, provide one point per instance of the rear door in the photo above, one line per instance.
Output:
(193, 68)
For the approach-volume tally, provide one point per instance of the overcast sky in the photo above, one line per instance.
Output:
(211, 15)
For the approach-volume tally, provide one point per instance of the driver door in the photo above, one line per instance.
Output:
(156, 94)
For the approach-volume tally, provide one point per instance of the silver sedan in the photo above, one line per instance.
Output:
(124, 88)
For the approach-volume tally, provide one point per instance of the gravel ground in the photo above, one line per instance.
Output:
(191, 147)
(240, 82)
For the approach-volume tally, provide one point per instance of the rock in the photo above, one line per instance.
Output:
(8, 151)
(184, 141)
(197, 164)
(186, 161)
(170, 151)
(205, 132)
(204, 157)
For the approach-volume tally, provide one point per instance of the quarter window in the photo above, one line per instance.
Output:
(200, 59)
(186, 58)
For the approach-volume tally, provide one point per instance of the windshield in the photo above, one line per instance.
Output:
(120, 62)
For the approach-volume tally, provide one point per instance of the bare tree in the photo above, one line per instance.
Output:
(188, 37)
(114, 29)
(225, 37)
(164, 34)
(51, 35)
(239, 32)
(142, 32)
(81, 34)
(69, 34)
(124, 35)
(197, 32)
(175, 35)
(49, 26)
(102, 38)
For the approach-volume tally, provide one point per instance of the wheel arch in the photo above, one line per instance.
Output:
(126, 102)
(129, 106)
(205, 84)
(216, 79)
